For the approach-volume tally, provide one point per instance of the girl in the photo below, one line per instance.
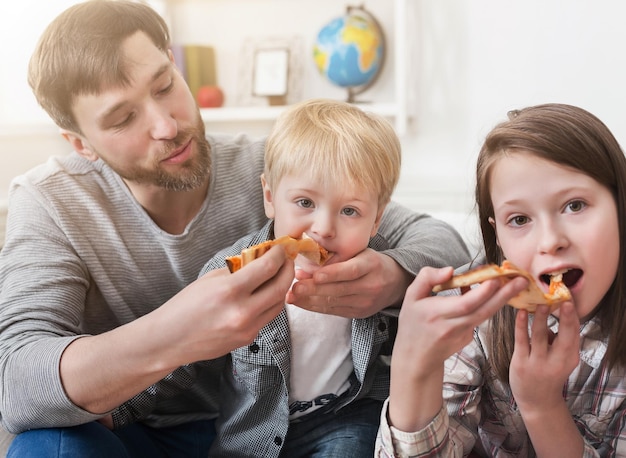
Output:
(470, 375)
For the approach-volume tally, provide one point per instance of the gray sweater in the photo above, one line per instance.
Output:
(82, 257)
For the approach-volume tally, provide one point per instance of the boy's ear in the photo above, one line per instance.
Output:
(379, 216)
(268, 202)
(79, 144)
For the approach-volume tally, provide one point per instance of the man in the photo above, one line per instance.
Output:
(102, 320)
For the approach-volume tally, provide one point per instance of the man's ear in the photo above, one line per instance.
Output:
(79, 144)
(268, 202)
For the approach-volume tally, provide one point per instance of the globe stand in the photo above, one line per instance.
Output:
(356, 90)
(353, 91)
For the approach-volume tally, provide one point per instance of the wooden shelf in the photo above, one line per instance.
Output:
(270, 113)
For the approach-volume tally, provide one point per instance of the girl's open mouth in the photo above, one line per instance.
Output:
(570, 277)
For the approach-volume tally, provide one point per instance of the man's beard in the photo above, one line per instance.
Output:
(187, 176)
(193, 174)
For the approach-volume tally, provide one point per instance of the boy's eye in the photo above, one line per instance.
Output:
(305, 203)
(349, 211)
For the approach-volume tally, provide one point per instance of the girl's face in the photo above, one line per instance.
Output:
(550, 218)
(341, 218)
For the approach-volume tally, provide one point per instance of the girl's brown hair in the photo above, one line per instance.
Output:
(572, 137)
(80, 53)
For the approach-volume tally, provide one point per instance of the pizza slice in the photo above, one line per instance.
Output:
(305, 246)
(527, 299)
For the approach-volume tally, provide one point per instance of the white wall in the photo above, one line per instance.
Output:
(471, 61)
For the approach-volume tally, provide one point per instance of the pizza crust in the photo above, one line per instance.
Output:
(528, 299)
(305, 246)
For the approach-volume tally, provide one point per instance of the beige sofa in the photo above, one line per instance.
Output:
(5, 440)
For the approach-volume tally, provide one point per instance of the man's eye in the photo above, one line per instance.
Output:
(124, 122)
(168, 88)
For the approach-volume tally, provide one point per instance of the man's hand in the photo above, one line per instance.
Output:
(225, 311)
(212, 316)
(356, 288)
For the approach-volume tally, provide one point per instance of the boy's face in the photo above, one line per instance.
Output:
(150, 131)
(340, 217)
(550, 218)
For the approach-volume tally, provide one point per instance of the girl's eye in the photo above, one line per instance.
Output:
(305, 203)
(517, 221)
(349, 211)
(575, 206)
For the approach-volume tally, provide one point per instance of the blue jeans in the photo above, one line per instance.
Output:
(348, 433)
(93, 440)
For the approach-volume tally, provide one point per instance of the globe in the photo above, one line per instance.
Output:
(350, 50)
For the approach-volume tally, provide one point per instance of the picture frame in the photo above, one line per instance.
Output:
(271, 71)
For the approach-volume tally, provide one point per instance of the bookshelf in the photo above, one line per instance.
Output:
(212, 22)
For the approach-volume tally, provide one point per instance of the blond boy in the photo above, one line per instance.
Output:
(312, 384)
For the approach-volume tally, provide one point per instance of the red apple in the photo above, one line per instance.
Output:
(210, 97)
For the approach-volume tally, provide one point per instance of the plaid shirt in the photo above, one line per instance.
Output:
(480, 413)
(254, 415)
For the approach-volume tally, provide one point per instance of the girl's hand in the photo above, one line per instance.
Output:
(542, 363)
(430, 329)
(539, 370)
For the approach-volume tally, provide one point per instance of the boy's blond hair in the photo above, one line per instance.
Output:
(334, 142)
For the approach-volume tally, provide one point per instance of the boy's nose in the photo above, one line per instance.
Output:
(323, 226)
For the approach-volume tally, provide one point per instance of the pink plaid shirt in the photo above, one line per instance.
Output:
(480, 415)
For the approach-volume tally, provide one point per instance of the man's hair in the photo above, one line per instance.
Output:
(79, 53)
(573, 138)
(334, 142)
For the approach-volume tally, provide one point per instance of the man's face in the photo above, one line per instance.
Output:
(150, 132)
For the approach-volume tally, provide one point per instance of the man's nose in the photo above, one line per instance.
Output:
(163, 124)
